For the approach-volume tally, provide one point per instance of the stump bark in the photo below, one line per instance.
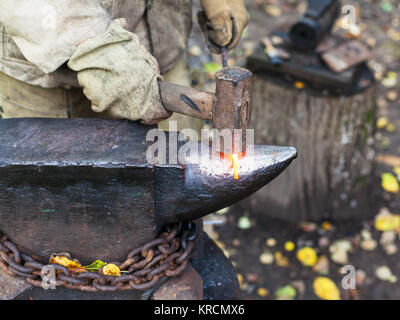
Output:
(331, 177)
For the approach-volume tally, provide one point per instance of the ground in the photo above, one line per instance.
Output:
(266, 268)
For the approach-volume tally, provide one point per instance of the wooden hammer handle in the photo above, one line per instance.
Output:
(186, 100)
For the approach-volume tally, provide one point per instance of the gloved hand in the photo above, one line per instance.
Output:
(119, 75)
(223, 22)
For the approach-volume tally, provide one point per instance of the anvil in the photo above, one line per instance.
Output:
(84, 186)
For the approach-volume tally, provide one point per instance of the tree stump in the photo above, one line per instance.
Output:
(335, 141)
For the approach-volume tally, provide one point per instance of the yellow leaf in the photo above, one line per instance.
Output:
(382, 122)
(307, 256)
(281, 260)
(111, 270)
(289, 246)
(299, 85)
(387, 222)
(326, 289)
(326, 226)
(389, 183)
(262, 292)
(240, 279)
(396, 171)
(68, 263)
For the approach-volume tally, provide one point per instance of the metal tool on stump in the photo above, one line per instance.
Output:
(315, 24)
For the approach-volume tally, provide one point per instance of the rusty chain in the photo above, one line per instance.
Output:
(165, 256)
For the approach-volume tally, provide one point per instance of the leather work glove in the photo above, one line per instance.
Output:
(223, 22)
(119, 75)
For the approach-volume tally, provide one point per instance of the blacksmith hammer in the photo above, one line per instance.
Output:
(229, 108)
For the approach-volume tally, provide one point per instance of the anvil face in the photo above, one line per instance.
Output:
(84, 186)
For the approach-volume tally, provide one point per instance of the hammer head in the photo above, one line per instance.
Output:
(232, 109)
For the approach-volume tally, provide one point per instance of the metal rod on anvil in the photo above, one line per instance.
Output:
(224, 57)
(86, 186)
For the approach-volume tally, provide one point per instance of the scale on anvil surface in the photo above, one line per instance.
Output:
(306, 42)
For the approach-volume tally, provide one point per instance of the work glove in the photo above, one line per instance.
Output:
(223, 22)
(119, 75)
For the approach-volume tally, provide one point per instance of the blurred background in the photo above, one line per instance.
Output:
(339, 207)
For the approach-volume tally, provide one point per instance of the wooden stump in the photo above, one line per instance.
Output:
(335, 140)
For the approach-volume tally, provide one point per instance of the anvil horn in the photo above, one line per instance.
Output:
(84, 186)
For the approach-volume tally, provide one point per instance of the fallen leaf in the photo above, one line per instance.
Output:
(252, 277)
(322, 266)
(266, 258)
(212, 67)
(262, 292)
(339, 250)
(390, 128)
(326, 289)
(273, 11)
(72, 265)
(281, 260)
(382, 122)
(384, 273)
(369, 245)
(390, 248)
(240, 279)
(366, 234)
(111, 270)
(95, 266)
(271, 242)
(244, 223)
(299, 85)
(326, 226)
(194, 51)
(386, 221)
(308, 226)
(390, 80)
(390, 160)
(307, 256)
(323, 242)
(390, 183)
(360, 277)
(387, 237)
(392, 95)
(289, 246)
(286, 293)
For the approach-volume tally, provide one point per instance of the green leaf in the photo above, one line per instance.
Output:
(244, 223)
(95, 266)
(286, 292)
(212, 67)
(47, 211)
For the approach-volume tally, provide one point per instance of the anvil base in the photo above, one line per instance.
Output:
(216, 271)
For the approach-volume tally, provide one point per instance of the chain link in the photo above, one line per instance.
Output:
(165, 256)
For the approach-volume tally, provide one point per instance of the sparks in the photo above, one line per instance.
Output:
(235, 161)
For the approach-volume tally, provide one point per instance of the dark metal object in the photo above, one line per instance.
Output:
(216, 271)
(84, 186)
(166, 256)
(347, 55)
(315, 24)
(229, 108)
(224, 57)
(307, 67)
